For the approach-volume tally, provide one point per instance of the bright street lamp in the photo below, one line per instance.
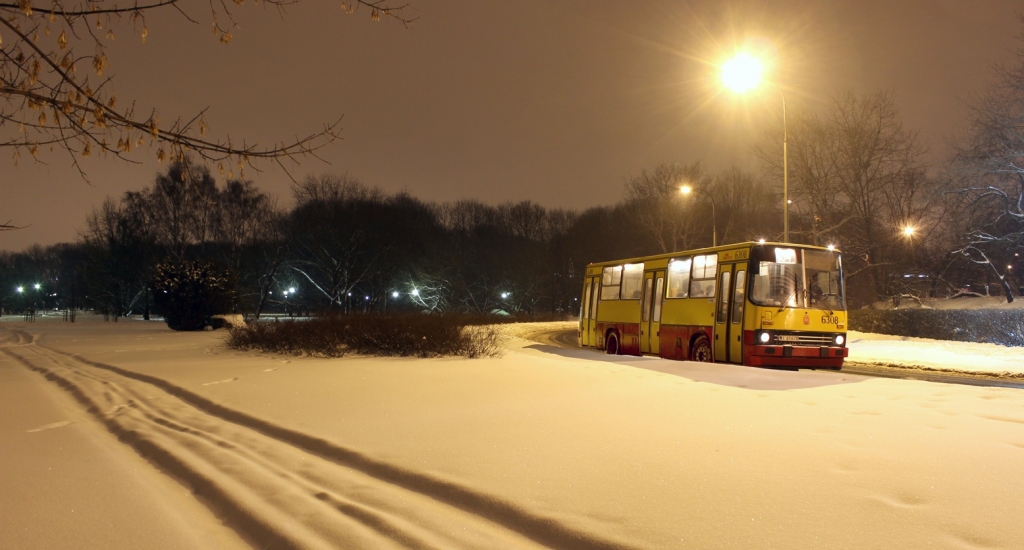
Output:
(742, 74)
(908, 231)
(686, 189)
(21, 289)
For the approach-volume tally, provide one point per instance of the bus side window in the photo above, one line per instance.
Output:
(678, 278)
(705, 268)
(611, 278)
(632, 281)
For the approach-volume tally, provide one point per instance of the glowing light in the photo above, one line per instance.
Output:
(394, 294)
(908, 231)
(840, 339)
(686, 189)
(765, 337)
(21, 289)
(37, 286)
(504, 295)
(831, 248)
(291, 290)
(760, 241)
(742, 73)
(415, 292)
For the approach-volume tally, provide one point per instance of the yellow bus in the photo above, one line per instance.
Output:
(754, 303)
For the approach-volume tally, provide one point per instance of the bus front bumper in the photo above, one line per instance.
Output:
(796, 356)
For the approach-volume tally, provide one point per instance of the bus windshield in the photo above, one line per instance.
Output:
(792, 277)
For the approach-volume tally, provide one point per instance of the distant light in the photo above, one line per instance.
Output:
(831, 248)
(291, 289)
(270, 292)
(415, 292)
(504, 295)
(21, 289)
(789, 201)
(367, 298)
(908, 231)
(760, 241)
(686, 189)
(37, 286)
(742, 73)
(394, 294)
(349, 293)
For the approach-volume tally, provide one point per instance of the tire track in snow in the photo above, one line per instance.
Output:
(283, 488)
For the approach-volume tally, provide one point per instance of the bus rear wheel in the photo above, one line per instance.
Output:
(612, 344)
(701, 349)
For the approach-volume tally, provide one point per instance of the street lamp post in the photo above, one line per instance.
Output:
(741, 74)
(785, 172)
(686, 190)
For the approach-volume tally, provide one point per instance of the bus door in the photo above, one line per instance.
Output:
(729, 313)
(588, 313)
(650, 311)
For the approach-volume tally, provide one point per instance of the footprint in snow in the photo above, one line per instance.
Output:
(60, 424)
(220, 381)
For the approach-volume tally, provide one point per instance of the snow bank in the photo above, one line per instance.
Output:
(942, 355)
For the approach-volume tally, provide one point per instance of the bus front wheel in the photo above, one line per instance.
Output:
(612, 344)
(701, 349)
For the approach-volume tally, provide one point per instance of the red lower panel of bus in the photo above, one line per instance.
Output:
(676, 340)
(627, 333)
(792, 356)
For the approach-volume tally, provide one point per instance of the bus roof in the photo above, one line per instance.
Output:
(708, 250)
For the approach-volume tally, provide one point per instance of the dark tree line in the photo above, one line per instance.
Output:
(857, 181)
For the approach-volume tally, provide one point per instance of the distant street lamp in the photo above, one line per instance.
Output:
(742, 74)
(686, 190)
(908, 231)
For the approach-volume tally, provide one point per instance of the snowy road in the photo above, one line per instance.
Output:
(281, 488)
(66, 483)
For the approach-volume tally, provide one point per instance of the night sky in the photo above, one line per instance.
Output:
(555, 102)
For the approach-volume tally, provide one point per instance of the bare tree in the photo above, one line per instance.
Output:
(856, 180)
(55, 84)
(990, 160)
(654, 200)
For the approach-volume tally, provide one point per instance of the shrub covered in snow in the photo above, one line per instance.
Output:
(398, 334)
(996, 326)
(189, 293)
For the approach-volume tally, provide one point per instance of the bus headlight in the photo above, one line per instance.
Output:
(840, 339)
(764, 337)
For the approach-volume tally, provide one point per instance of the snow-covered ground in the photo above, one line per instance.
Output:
(941, 355)
(547, 446)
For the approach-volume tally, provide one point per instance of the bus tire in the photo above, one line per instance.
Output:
(700, 350)
(612, 344)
